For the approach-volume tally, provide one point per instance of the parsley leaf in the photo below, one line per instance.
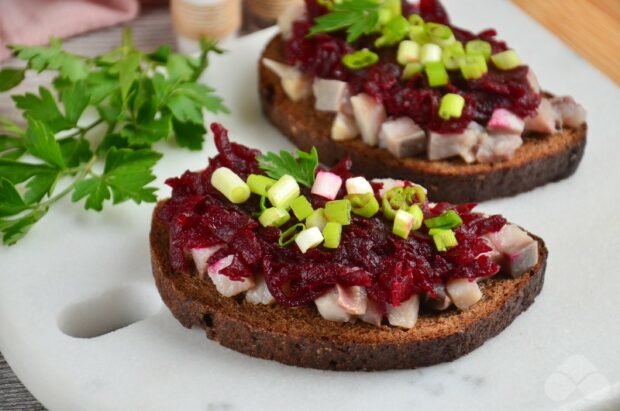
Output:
(43, 108)
(11, 202)
(40, 142)
(302, 168)
(95, 190)
(11, 147)
(10, 77)
(358, 17)
(53, 57)
(127, 172)
(17, 172)
(131, 106)
(14, 230)
(75, 99)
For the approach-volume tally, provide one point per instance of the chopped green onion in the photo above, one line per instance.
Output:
(418, 216)
(440, 34)
(365, 205)
(360, 59)
(452, 55)
(301, 207)
(308, 239)
(473, 67)
(417, 191)
(448, 219)
(389, 10)
(392, 201)
(430, 53)
(437, 74)
(479, 47)
(259, 184)
(403, 221)
(443, 238)
(262, 203)
(411, 70)
(506, 60)
(274, 217)
(288, 236)
(415, 20)
(332, 233)
(338, 211)
(230, 185)
(283, 192)
(393, 32)
(408, 52)
(451, 106)
(317, 219)
(456, 47)
(419, 35)
(402, 198)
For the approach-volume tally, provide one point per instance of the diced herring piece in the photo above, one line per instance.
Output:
(294, 12)
(497, 147)
(358, 185)
(329, 95)
(533, 80)
(329, 307)
(519, 250)
(464, 293)
(326, 185)
(202, 255)
(406, 314)
(545, 120)
(505, 122)
(441, 146)
(440, 301)
(344, 128)
(296, 85)
(522, 261)
(402, 137)
(569, 111)
(352, 299)
(369, 115)
(223, 283)
(373, 314)
(260, 293)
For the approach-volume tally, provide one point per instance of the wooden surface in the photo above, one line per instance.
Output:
(591, 27)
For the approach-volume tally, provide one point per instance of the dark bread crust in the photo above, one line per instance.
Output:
(299, 336)
(541, 159)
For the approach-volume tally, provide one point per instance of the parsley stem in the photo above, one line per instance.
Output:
(81, 131)
(83, 173)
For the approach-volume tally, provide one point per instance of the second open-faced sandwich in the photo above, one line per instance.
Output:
(407, 94)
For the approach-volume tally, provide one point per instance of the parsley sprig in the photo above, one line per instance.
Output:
(358, 17)
(133, 99)
(302, 168)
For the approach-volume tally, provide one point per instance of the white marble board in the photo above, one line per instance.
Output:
(84, 273)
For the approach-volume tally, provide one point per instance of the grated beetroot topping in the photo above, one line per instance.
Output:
(321, 56)
(392, 269)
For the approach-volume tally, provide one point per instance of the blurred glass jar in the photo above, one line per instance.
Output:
(258, 14)
(192, 19)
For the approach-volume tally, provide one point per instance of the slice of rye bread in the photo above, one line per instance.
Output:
(301, 337)
(541, 159)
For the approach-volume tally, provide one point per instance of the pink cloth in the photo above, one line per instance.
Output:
(35, 21)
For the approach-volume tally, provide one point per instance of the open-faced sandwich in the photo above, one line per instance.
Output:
(408, 95)
(281, 258)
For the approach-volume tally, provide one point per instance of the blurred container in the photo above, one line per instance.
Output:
(258, 14)
(192, 19)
